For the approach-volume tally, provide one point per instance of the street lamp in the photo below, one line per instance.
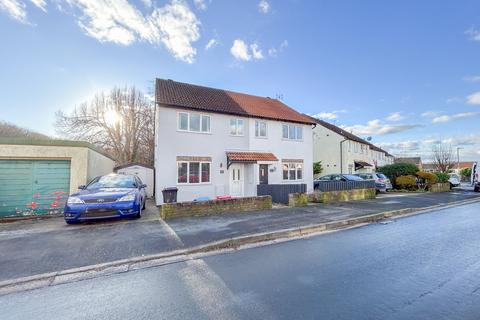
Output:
(458, 159)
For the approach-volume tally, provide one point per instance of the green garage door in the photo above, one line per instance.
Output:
(33, 186)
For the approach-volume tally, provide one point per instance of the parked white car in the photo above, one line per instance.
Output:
(454, 180)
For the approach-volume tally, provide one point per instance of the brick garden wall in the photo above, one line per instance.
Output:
(344, 195)
(213, 207)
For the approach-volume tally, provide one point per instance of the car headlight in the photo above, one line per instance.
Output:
(127, 197)
(74, 200)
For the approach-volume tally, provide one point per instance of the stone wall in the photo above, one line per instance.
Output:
(213, 207)
(344, 195)
(297, 200)
(440, 187)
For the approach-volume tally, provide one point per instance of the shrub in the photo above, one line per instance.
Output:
(442, 177)
(395, 170)
(317, 168)
(466, 173)
(430, 178)
(407, 182)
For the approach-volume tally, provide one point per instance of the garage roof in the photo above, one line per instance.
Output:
(54, 143)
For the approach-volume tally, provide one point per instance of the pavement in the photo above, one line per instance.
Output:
(418, 267)
(36, 247)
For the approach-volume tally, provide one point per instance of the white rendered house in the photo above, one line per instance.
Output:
(211, 142)
(343, 152)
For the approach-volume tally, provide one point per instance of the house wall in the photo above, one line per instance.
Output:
(170, 143)
(326, 148)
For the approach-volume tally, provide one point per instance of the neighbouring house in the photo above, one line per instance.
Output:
(412, 160)
(36, 176)
(457, 167)
(380, 157)
(212, 142)
(143, 171)
(343, 152)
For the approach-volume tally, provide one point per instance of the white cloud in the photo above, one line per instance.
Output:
(452, 117)
(15, 9)
(474, 98)
(256, 51)
(263, 6)
(431, 114)
(147, 3)
(41, 4)
(473, 34)
(376, 127)
(211, 44)
(329, 115)
(472, 78)
(411, 145)
(200, 4)
(273, 52)
(173, 25)
(242, 51)
(396, 116)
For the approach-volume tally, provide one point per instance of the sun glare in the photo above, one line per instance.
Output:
(111, 117)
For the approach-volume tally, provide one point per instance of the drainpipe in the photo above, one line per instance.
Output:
(341, 155)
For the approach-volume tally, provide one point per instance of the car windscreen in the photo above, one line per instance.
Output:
(118, 181)
(353, 178)
(382, 176)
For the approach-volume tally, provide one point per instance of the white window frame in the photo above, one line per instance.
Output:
(237, 121)
(295, 130)
(199, 172)
(293, 166)
(257, 134)
(201, 115)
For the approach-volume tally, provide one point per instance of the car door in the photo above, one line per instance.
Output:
(143, 194)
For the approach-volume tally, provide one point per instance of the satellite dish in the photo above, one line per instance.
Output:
(368, 138)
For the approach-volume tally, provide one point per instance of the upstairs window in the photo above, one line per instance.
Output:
(292, 132)
(236, 127)
(193, 122)
(260, 129)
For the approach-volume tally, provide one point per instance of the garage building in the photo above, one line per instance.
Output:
(36, 176)
(143, 171)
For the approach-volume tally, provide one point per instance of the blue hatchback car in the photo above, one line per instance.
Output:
(109, 196)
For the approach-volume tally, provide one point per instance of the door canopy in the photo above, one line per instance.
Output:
(249, 157)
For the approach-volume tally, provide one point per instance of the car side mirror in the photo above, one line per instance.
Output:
(82, 187)
(143, 186)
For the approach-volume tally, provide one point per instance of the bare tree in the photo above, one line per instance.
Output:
(120, 121)
(10, 130)
(443, 157)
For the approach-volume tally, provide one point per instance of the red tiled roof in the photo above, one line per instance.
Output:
(235, 156)
(183, 95)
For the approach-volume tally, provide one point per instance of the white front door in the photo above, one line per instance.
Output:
(236, 180)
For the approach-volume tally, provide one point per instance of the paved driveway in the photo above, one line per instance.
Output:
(34, 247)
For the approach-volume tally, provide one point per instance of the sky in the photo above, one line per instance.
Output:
(404, 73)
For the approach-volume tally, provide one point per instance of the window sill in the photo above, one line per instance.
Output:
(196, 132)
(292, 140)
(194, 184)
(261, 137)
